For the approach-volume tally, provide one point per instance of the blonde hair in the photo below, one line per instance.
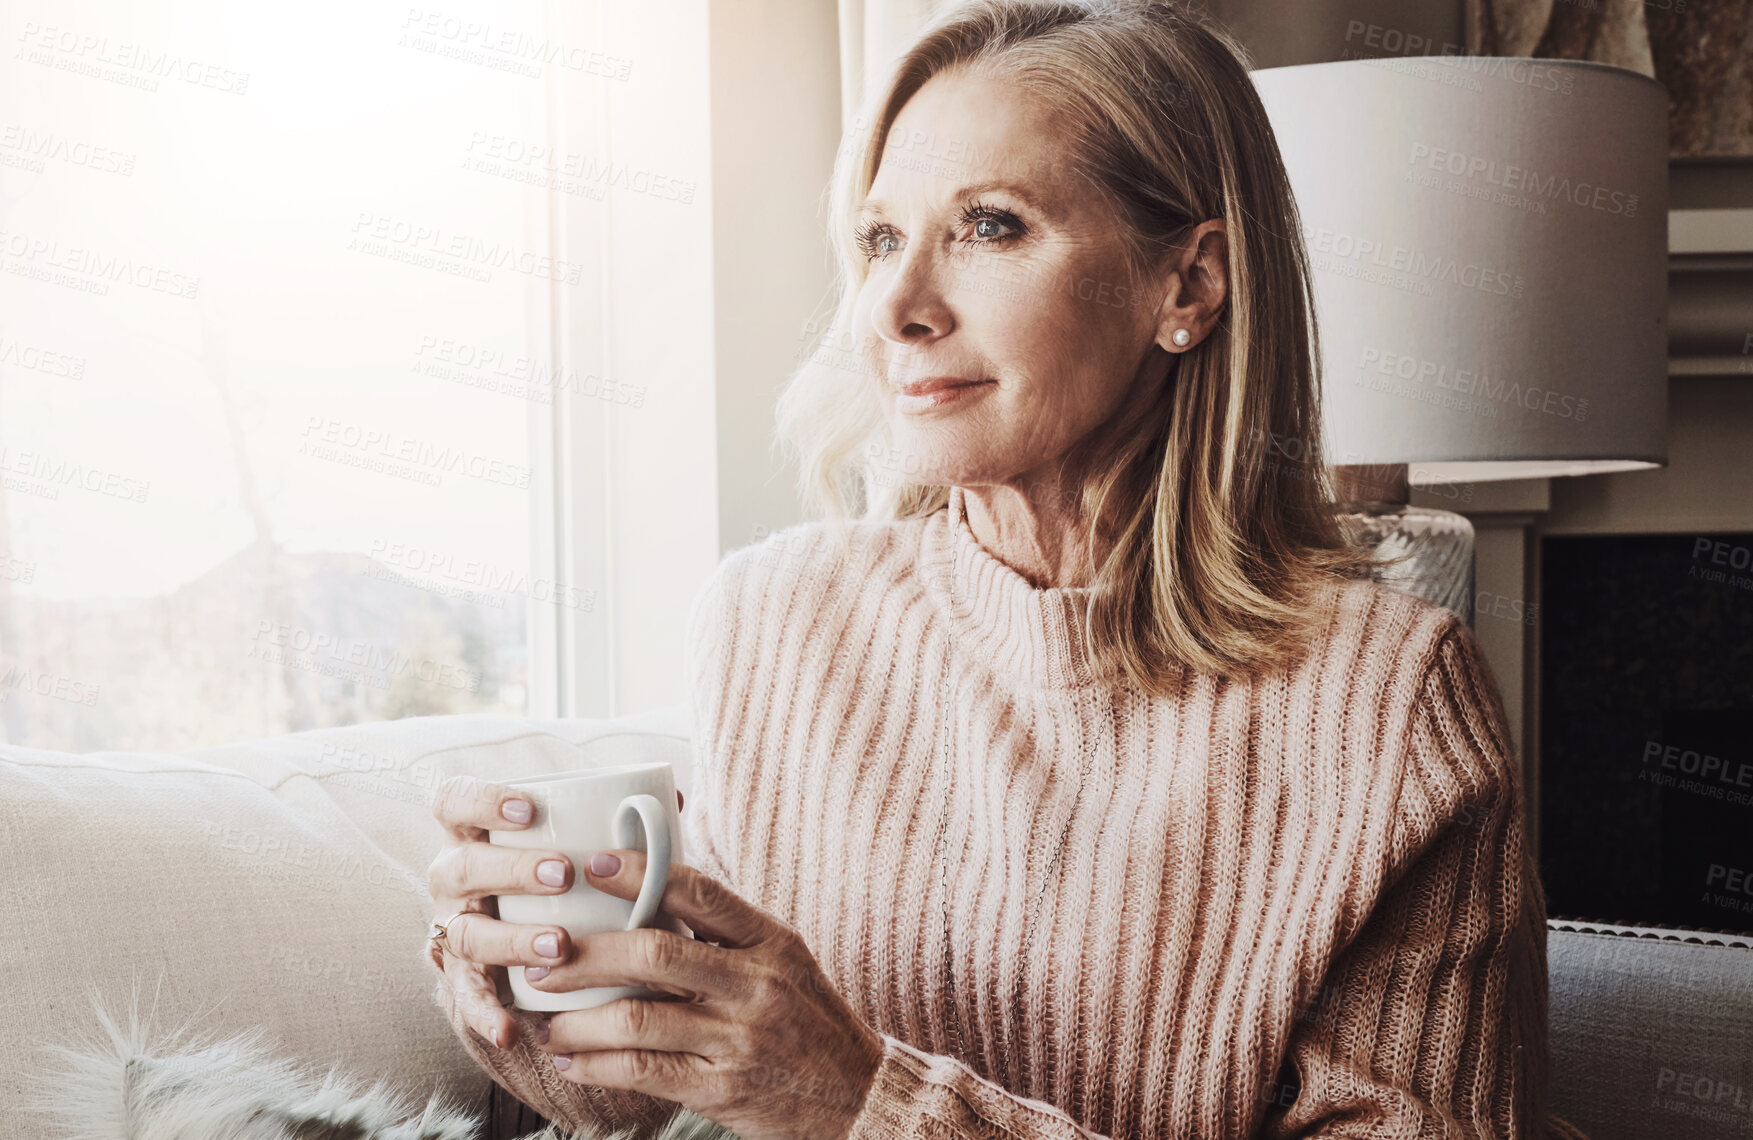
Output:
(1218, 512)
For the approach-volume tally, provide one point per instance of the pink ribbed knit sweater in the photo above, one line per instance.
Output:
(1297, 905)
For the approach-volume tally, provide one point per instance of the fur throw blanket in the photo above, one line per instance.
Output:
(123, 1087)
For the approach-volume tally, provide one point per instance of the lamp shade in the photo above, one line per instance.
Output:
(1488, 240)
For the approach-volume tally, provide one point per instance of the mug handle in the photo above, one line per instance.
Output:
(656, 824)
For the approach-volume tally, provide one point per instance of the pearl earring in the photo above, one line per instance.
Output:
(1181, 337)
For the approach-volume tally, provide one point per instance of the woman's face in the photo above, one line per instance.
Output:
(990, 260)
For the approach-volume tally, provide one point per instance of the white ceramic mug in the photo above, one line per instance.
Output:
(579, 813)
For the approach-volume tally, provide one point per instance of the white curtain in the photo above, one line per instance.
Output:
(1607, 31)
(873, 34)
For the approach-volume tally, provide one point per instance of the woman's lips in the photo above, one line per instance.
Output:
(941, 396)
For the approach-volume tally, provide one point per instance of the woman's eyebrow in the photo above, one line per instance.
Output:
(877, 208)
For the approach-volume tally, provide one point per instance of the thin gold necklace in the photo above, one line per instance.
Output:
(945, 735)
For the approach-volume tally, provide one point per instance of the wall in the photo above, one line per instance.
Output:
(775, 79)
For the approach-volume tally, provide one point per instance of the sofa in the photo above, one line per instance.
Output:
(280, 885)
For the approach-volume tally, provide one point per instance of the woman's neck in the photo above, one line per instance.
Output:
(1034, 523)
(1036, 528)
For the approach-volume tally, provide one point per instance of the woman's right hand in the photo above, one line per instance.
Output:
(466, 876)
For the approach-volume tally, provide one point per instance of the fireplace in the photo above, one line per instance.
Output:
(1646, 728)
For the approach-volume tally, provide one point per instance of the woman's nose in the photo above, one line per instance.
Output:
(912, 308)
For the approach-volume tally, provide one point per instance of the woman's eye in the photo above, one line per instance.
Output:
(869, 239)
(990, 224)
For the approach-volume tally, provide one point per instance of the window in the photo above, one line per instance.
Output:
(275, 381)
(367, 363)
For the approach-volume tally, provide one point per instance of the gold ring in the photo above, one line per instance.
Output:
(439, 932)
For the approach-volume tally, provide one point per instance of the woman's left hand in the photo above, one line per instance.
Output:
(760, 1043)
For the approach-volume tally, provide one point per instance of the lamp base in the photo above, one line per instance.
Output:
(1440, 545)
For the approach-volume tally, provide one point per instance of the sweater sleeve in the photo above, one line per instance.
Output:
(529, 1074)
(704, 659)
(1432, 1021)
(920, 1095)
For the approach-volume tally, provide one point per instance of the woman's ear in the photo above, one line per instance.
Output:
(1198, 285)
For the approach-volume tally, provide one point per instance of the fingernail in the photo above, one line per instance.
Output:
(548, 945)
(551, 871)
(517, 811)
(535, 973)
(541, 1033)
(562, 1062)
(602, 863)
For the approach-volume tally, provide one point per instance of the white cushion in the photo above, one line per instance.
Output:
(278, 883)
(1652, 1030)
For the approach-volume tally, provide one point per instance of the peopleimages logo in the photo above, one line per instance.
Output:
(13, 678)
(504, 49)
(349, 658)
(95, 266)
(39, 359)
(432, 247)
(1475, 382)
(1509, 176)
(476, 573)
(1703, 1096)
(1690, 762)
(58, 473)
(571, 171)
(332, 757)
(277, 857)
(34, 147)
(516, 374)
(136, 65)
(1727, 562)
(376, 447)
(1416, 265)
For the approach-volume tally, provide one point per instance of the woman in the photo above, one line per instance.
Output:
(1087, 786)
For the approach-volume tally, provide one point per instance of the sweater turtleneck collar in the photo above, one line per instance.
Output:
(1032, 634)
